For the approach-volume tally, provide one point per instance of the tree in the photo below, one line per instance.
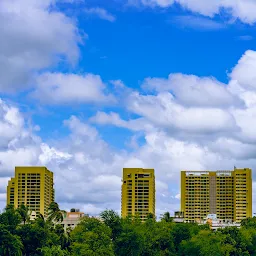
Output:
(113, 221)
(10, 218)
(35, 236)
(181, 232)
(10, 245)
(166, 217)
(24, 213)
(53, 251)
(64, 238)
(206, 243)
(54, 213)
(239, 241)
(249, 237)
(157, 239)
(151, 216)
(129, 242)
(249, 223)
(91, 237)
(32, 237)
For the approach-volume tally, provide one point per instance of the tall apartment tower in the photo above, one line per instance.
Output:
(138, 192)
(225, 193)
(32, 186)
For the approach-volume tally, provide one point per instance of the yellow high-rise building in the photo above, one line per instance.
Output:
(138, 192)
(32, 186)
(228, 194)
(10, 191)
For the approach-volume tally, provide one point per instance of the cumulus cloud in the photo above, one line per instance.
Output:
(32, 39)
(244, 72)
(163, 110)
(190, 90)
(17, 141)
(11, 122)
(59, 88)
(139, 124)
(241, 9)
(101, 13)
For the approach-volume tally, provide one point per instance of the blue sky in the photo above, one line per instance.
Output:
(89, 87)
(144, 42)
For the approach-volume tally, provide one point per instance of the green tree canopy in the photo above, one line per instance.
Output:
(54, 213)
(167, 217)
(91, 237)
(113, 221)
(10, 218)
(23, 212)
(10, 245)
(53, 251)
(206, 243)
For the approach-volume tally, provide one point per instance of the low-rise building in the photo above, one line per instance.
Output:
(178, 217)
(72, 218)
(216, 223)
(211, 219)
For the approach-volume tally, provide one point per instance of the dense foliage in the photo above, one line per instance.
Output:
(114, 236)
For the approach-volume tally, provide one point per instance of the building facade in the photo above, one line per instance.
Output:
(72, 218)
(10, 191)
(32, 186)
(138, 192)
(228, 194)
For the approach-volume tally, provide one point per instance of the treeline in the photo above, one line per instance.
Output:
(115, 236)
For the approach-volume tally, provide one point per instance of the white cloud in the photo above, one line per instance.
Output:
(244, 72)
(17, 141)
(11, 123)
(81, 129)
(233, 148)
(241, 9)
(48, 154)
(190, 90)
(32, 39)
(118, 83)
(59, 88)
(101, 13)
(177, 196)
(196, 22)
(163, 110)
(139, 124)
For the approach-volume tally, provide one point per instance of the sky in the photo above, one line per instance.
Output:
(88, 87)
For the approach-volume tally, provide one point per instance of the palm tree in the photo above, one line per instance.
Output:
(54, 213)
(40, 216)
(151, 216)
(23, 212)
(167, 217)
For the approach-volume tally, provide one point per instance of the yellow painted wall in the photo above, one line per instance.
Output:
(242, 187)
(24, 190)
(131, 181)
(233, 194)
(10, 191)
(183, 191)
